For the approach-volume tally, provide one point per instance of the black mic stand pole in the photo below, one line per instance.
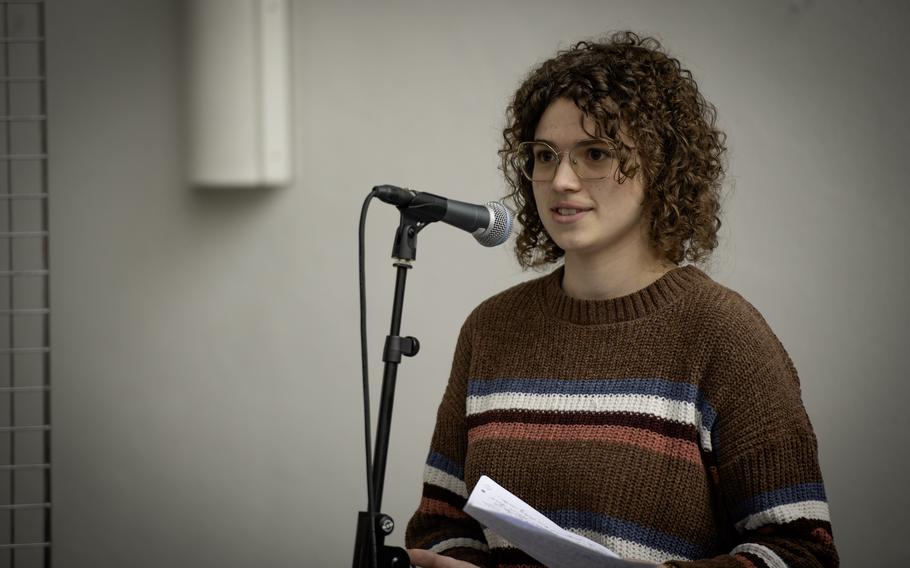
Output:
(404, 252)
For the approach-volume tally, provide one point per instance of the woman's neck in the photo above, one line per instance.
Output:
(601, 278)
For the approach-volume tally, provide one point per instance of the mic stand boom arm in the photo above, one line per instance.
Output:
(404, 252)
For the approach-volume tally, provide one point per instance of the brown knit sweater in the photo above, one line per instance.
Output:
(666, 425)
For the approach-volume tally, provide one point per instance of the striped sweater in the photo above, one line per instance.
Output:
(666, 425)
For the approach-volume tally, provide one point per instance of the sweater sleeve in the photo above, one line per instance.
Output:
(440, 524)
(765, 471)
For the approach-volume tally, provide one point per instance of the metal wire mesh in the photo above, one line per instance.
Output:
(25, 531)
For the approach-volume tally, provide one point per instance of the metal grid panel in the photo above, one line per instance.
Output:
(25, 531)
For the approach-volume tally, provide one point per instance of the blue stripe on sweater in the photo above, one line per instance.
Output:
(443, 463)
(611, 526)
(683, 392)
(778, 497)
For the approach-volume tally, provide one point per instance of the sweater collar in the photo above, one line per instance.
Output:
(663, 291)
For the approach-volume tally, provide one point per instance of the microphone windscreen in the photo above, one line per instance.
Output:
(500, 227)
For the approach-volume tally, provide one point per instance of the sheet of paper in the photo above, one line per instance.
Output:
(538, 536)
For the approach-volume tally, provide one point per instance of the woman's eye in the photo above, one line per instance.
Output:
(597, 154)
(546, 156)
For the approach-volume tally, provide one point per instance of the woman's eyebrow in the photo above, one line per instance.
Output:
(577, 142)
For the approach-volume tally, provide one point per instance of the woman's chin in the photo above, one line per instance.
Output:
(575, 248)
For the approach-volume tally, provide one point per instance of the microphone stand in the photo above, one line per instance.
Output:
(404, 252)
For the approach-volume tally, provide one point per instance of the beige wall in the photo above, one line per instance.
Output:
(206, 403)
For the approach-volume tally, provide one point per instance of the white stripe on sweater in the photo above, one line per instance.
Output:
(815, 510)
(628, 549)
(763, 552)
(673, 410)
(624, 548)
(458, 543)
(439, 478)
(496, 541)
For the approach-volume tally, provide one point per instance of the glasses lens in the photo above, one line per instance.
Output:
(592, 159)
(538, 161)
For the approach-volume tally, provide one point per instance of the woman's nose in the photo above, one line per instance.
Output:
(565, 178)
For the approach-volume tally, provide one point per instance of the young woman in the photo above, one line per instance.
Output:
(625, 395)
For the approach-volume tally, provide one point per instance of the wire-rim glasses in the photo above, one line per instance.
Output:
(590, 159)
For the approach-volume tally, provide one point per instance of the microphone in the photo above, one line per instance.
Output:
(490, 223)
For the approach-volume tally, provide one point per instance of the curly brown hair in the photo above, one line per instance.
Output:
(627, 83)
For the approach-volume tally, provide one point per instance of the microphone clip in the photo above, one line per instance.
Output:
(404, 250)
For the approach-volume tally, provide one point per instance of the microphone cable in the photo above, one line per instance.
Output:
(367, 434)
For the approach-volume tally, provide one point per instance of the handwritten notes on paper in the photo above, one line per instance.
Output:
(525, 527)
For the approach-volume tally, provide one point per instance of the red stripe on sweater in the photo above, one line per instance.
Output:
(434, 507)
(647, 439)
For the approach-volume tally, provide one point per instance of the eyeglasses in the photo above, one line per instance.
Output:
(590, 160)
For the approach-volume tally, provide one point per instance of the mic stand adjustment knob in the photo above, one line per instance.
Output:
(396, 346)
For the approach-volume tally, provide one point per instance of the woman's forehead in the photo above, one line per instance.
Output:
(563, 122)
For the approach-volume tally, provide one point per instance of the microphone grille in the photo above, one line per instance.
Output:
(500, 225)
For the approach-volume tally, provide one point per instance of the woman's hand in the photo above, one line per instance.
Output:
(427, 559)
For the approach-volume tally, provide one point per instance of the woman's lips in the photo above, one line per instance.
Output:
(568, 214)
